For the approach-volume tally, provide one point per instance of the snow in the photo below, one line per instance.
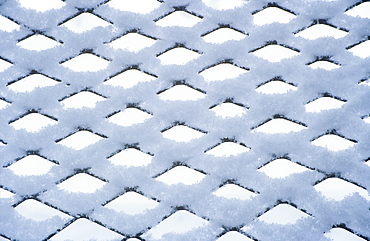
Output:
(321, 31)
(228, 110)
(340, 234)
(131, 157)
(337, 189)
(178, 18)
(362, 10)
(361, 50)
(133, 42)
(280, 125)
(222, 72)
(333, 142)
(81, 182)
(223, 35)
(281, 168)
(138, 6)
(129, 78)
(232, 191)
(238, 140)
(227, 149)
(181, 92)
(31, 165)
(182, 133)
(84, 229)
(179, 222)
(181, 174)
(275, 53)
(80, 140)
(35, 210)
(38, 43)
(324, 103)
(86, 62)
(81, 100)
(284, 214)
(178, 56)
(129, 117)
(271, 15)
(32, 122)
(131, 203)
(31, 82)
(85, 22)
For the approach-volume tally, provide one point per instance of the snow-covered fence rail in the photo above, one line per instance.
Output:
(184, 120)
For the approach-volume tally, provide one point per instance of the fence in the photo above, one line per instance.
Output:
(184, 120)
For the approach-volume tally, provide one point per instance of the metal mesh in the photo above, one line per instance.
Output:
(184, 120)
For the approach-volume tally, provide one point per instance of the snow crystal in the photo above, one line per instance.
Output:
(184, 120)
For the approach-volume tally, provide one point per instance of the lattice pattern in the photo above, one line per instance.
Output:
(185, 120)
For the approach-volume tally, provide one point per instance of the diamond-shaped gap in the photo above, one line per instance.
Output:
(325, 102)
(33, 121)
(32, 165)
(8, 25)
(283, 214)
(223, 34)
(132, 41)
(178, 55)
(4, 64)
(279, 125)
(42, 5)
(131, 156)
(222, 71)
(233, 236)
(2, 143)
(180, 173)
(129, 77)
(229, 109)
(367, 119)
(86, 61)
(180, 222)
(224, 4)
(84, 98)
(227, 148)
(137, 6)
(131, 203)
(31, 82)
(334, 188)
(341, 234)
(179, 132)
(274, 52)
(181, 91)
(178, 18)
(230, 190)
(81, 183)
(38, 42)
(365, 81)
(333, 141)
(281, 168)
(361, 49)
(37, 211)
(84, 21)
(2, 238)
(132, 115)
(80, 139)
(4, 103)
(5, 193)
(361, 10)
(84, 229)
(272, 13)
(321, 29)
(276, 86)
(323, 62)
